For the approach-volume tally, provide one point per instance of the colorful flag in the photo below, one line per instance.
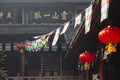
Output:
(36, 37)
(104, 9)
(33, 45)
(28, 46)
(78, 20)
(40, 41)
(65, 27)
(88, 16)
(38, 44)
(57, 34)
(47, 38)
(46, 41)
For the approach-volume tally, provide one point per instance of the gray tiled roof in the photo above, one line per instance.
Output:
(26, 29)
(19, 1)
(34, 29)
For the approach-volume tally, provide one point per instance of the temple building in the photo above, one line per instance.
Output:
(21, 20)
(86, 36)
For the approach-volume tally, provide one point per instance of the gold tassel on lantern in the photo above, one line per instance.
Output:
(87, 65)
(111, 47)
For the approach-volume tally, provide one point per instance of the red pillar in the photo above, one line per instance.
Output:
(87, 75)
(21, 46)
(22, 62)
(101, 68)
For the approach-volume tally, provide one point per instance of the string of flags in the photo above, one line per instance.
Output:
(42, 40)
(39, 43)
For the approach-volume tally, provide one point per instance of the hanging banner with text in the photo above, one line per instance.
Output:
(88, 17)
(104, 9)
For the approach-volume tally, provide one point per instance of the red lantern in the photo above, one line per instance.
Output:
(110, 36)
(21, 46)
(87, 57)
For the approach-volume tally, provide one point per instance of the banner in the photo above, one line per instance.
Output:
(78, 20)
(65, 27)
(104, 9)
(88, 16)
(57, 34)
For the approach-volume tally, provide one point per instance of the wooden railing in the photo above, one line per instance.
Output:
(45, 78)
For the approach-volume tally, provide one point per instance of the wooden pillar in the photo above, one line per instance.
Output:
(22, 62)
(87, 74)
(101, 66)
(101, 71)
(21, 46)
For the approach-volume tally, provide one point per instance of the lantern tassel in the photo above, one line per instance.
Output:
(111, 48)
(87, 65)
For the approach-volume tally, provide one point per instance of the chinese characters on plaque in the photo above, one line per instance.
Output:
(7, 16)
(35, 15)
(49, 15)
